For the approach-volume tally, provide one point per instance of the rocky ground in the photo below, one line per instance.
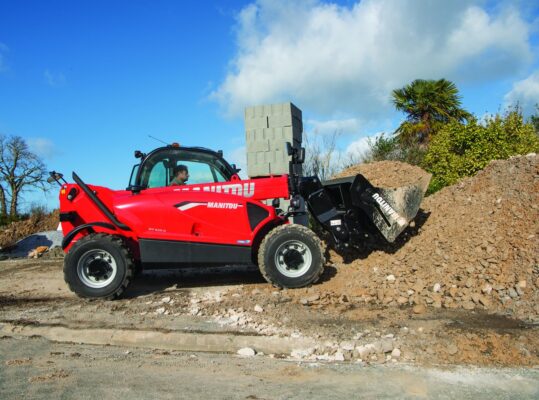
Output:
(238, 301)
(474, 246)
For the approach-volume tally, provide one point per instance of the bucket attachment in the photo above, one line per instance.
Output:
(389, 209)
(350, 207)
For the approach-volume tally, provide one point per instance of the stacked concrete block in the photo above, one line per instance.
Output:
(267, 129)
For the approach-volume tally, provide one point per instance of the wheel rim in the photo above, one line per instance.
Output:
(293, 258)
(97, 268)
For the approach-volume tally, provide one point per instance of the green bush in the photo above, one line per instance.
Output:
(37, 211)
(461, 150)
(383, 148)
(392, 148)
(5, 220)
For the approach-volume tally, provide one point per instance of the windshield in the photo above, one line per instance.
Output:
(158, 170)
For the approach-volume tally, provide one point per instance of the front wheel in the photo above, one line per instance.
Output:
(99, 266)
(291, 256)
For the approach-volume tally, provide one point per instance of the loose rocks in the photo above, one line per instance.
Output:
(474, 245)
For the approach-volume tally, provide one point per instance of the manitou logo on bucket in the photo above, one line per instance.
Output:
(384, 206)
(238, 189)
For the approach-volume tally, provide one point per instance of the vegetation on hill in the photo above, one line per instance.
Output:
(461, 150)
(446, 140)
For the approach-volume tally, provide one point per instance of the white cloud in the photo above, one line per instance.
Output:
(332, 58)
(361, 146)
(339, 126)
(238, 156)
(54, 79)
(42, 147)
(525, 93)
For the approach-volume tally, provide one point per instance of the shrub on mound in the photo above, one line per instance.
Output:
(459, 150)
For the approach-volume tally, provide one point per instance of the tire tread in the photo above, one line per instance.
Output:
(277, 231)
(114, 240)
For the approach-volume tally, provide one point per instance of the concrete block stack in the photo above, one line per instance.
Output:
(267, 129)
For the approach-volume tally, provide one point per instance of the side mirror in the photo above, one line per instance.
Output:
(55, 177)
(52, 179)
(236, 169)
(139, 154)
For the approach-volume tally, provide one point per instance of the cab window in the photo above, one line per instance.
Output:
(158, 169)
(158, 176)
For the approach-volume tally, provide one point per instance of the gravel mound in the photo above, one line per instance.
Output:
(389, 174)
(477, 249)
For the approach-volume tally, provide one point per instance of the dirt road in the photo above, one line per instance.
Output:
(38, 369)
(352, 349)
(237, 301)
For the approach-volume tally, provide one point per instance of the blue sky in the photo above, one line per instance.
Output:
(86, 82)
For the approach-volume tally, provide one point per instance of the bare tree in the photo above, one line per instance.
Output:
(20, 169)
(322, 158)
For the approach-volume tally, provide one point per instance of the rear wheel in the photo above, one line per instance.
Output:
(291, 256)
(99, 266)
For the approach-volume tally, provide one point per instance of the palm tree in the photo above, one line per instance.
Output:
(428, 105)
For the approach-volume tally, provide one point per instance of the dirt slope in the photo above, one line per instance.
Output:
(477, 249)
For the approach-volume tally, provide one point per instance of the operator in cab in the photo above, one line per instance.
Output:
(181, 175)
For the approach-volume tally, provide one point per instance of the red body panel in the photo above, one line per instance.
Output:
(206, 213)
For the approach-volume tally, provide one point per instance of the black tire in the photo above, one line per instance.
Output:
(291, 256)
(99, 266)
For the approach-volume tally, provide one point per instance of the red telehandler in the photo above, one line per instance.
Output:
(216, 219)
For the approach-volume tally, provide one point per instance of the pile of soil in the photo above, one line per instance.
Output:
(389, 174)
(16, 231)
(475, 245)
